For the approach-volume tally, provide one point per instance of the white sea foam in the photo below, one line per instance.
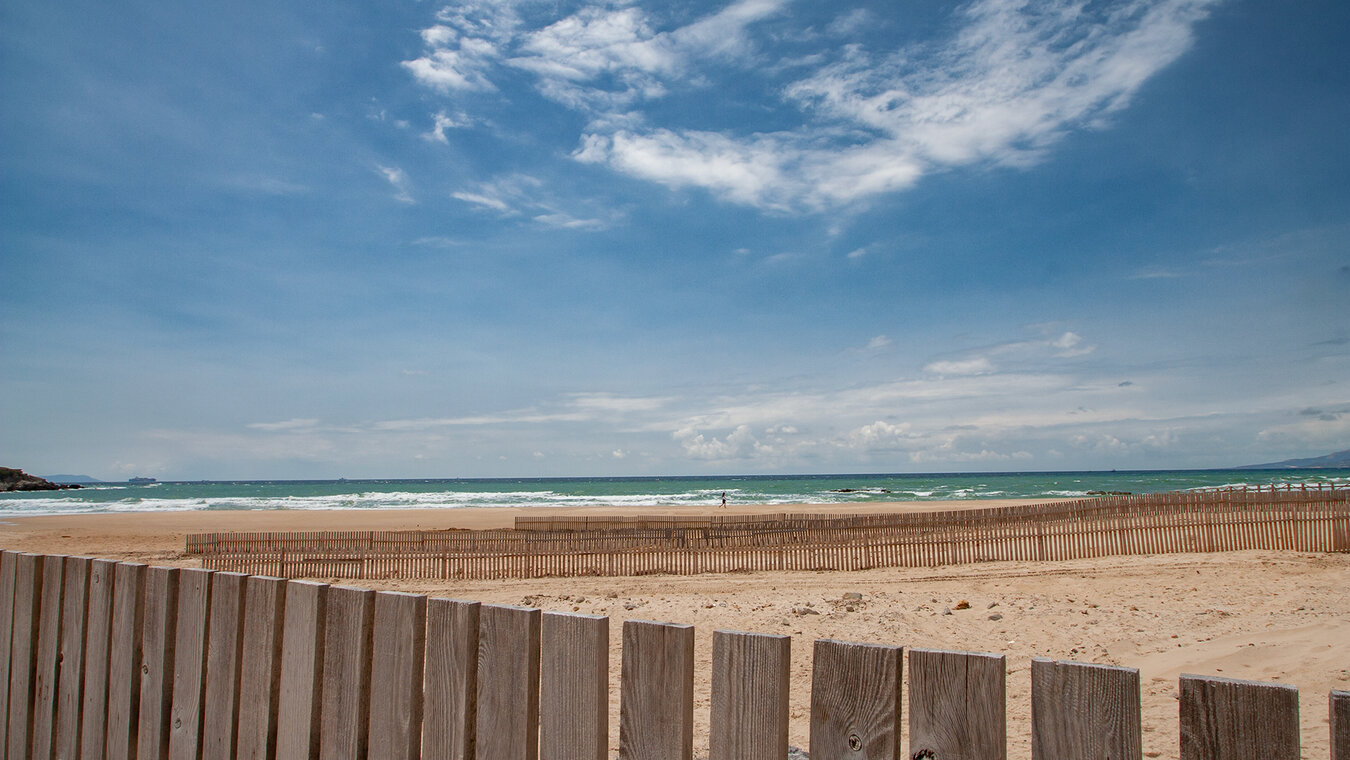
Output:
(632, 495)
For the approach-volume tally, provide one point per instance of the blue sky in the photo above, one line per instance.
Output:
(419, 239)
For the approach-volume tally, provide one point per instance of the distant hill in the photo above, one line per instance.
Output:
(1338, 460)
(72, 479)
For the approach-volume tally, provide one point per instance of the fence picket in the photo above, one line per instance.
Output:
(189, 663)
(1081, 711)
(48, 658)
(70, 660)
(450, 684)
(300, 689)
(399, 639)
(260, 671)
(956, 705)
(574, 687)
(343, 725)
(224, 655)
(94, 687)
(157, 664)
(7, 605)
(28, 578)
(507, 723)
(750, 680)
(1228, 719)
(855, 701)
(656, 692)
(1339, 719)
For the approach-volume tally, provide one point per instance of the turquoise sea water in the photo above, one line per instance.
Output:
(638, 493)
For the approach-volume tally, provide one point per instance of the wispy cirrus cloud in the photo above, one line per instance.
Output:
(1012, 80)
(522, 195)
(1012, 354)
(400, 182)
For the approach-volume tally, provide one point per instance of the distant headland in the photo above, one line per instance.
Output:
(1335, 461)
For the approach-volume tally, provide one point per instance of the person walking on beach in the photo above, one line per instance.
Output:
(724, 500)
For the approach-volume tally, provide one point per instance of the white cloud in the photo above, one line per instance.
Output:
(286, 425)
(1071, 344)
(880, 435)
(521, 194)
(443, 122)
(738, 444)
(568, 222)
(399, 179)
(1020, 354)
(600, 58)
(879, 342)
(447, 70)
(1000, 90)
(609, 403)
(975, 365)
(496, 204)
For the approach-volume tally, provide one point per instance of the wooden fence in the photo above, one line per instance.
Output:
(1311, 520)
(116, 660)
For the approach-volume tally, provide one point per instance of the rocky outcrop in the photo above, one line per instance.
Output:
(18, 480)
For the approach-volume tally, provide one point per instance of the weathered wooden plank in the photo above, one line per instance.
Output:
(1227, 719)
(956, 705)
(574, 687)
(189, 665)
(70, 659)
(1339, 707)
(507, 723)
(48, 658)
(399, 640)
(656, 696)
(125, 642)
(7, 603)
(450, 684)
(98, 639)
(855, 701)
(300, 691)
(750, 680)
(343, 719)
(260, 674)
(158, 645)
(224, 660)
(1081, 711)
(28, 577)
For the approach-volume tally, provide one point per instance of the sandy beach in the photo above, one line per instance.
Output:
(1281, 617)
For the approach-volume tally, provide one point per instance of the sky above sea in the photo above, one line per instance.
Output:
(410, 239)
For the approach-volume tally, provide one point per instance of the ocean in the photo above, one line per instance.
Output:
(638, 493)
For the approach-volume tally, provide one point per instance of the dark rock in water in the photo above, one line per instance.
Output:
(18, 480)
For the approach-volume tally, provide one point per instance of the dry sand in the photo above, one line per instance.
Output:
(1259, 615)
